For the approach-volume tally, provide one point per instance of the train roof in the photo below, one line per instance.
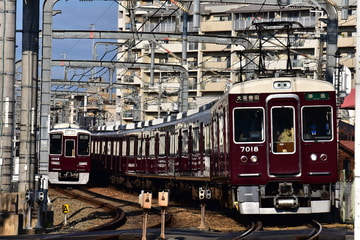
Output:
(190, 115)
(65, 125)
(69, 131)
(282, 84)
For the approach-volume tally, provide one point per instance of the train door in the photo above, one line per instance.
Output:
(284, 154)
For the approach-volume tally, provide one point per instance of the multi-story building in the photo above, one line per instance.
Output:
(211, 66)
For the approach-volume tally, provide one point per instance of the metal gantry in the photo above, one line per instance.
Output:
(36, 164)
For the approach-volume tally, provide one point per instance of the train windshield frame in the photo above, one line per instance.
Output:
(248, 124)
(283, 129)
(55, 143)
(69, 148)
(84, 145)
(317, 123)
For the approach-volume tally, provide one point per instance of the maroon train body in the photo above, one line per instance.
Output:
(69, 155)
(268, 146)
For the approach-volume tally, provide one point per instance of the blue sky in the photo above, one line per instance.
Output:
(76, 15)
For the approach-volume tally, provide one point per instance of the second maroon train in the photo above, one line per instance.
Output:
(268, 146)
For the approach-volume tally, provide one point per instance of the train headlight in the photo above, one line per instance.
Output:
(323, 157)
(243, 159)
(55, 163)
(82, 163)
(313, 157)
(253, 159)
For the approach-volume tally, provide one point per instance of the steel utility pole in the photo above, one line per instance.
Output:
(7, 82)
(29, 86)
(357, 133)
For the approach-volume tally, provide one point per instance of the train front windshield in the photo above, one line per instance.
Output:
(55, 143)
(317, 123)
(84, 145)
(249, 124)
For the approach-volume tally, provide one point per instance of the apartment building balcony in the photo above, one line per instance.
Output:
(245, 23)
(166, 27)
(348, 62)
(168, 88)
(212, 65)
(350, 22)
(347, 42)
(215, 47)
(214, 86)
(130, 80)
(216, 26)
(305, 43)
(164, 107)
(128, 115)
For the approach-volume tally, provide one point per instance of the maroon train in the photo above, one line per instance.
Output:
(69, 155)
(268, 146)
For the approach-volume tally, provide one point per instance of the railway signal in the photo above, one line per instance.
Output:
(163, 201)
(204, 194)
(65, 209)
(145, 199)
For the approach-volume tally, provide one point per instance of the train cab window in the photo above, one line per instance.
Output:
(283, 129)
(317, 123)
(84, 145)
(70, 148)
(248, 125)
(55, 143)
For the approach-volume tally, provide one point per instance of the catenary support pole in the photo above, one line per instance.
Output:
(357, 133)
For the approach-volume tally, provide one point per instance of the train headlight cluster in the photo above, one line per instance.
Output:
(253, 159)
(243, 159)
(314, 157)
(323, 157)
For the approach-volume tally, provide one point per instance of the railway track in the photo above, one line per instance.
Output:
(126, 214)
(118, 215)
(317, 228)
(255, 227)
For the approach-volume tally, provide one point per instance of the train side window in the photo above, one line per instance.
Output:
(84, 145)
(143, 148)
(207, 138)
(140, 152)
(162, 144)
(123, 152)
(185, 136)
(116, 148)
(173, 143)
(103, 147)
(55, 143)
(248, 125)
(317, 123)
(215, 133)
(131, 146)
(152, 146)
(70, 148)
(195, 133)
(109, 145)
